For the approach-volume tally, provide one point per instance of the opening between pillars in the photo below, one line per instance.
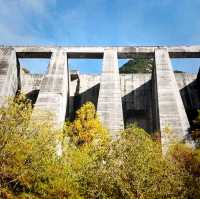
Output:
(32, 73)
(85, 82)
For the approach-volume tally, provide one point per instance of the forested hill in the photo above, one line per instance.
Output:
(139, 65)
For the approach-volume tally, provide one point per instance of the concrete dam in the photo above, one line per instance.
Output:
(154, 101)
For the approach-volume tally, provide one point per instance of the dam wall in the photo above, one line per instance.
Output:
(136, 91)
(154, 101)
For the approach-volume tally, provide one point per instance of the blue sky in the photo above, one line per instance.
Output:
(100, 22)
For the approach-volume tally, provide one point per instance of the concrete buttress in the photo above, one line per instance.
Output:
(171, 119)
(9, 77)
(109, 106)
(53, 95)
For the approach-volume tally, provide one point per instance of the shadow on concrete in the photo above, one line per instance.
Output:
(90, 95)
(191, 99)
(32, 96)
(190, 95)
(137, 107)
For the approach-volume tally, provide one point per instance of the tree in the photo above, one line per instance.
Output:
(134, 168)
(137, 65)
(188, 158)
(87, 128)
(91, 166)
(29, 166)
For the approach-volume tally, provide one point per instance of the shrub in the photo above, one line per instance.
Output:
(91, 165)
(87, 128)
(133, 168)
(29, 166)
(188, 159)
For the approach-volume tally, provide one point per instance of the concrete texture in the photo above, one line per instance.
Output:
(53, 93)
(97, 52)
(153, 101)
(189, 90)
(30, 82)
(136, 98)
(109, 107)
(9, 77)
(169, 106)
(136, 91)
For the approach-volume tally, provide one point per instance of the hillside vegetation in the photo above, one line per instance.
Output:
(90, 164)
(139, 65)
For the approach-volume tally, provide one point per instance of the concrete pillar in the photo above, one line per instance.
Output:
(53, 95)
(169, 106)
(109, 106)
(9, 75)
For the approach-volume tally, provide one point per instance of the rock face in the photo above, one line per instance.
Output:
(154, 100)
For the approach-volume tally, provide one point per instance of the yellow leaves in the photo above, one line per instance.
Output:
(86, 128)
(90, 166)
(28, 151)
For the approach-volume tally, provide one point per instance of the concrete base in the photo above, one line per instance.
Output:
(53, 93)
(9, 79)
(109, 106)
(171, 116)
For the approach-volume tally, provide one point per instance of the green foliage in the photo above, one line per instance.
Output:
(91, 165)
(137, 65)
(134, 168)
(25, 70)
(29, 166)
(188, 159)
(87, 128)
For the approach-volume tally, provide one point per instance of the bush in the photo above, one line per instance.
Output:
(133, 168)
(188, 159)
(87, 128)
(91, 165)
(29, 166)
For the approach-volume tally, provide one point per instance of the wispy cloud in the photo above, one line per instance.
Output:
(99, 22)
(24, 21)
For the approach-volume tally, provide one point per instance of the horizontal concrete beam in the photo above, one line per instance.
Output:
(97, 52)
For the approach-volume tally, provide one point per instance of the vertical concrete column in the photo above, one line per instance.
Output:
(53, 93)
(109, 106)
(169, 105)
(9, 80)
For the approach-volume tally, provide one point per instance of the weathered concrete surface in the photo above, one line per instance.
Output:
(109, 107)
(30, 85)
(53, 93)
(189, 89)
(151, 110)
(9, 77)
(30, 82)
(97, 51)
(137, 100)
(169, 105)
